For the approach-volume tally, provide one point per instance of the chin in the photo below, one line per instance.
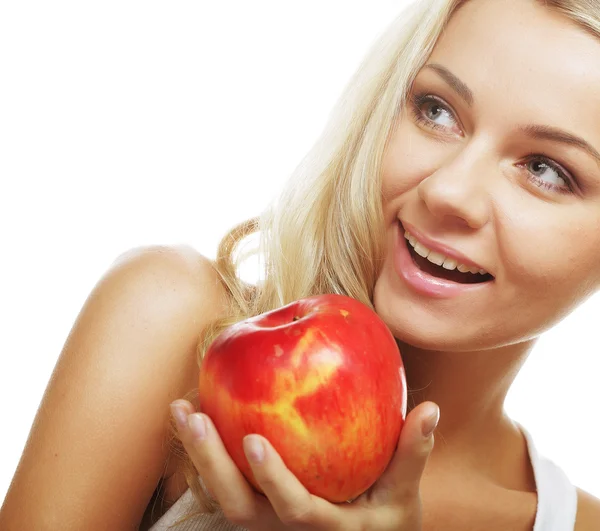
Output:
(412, 324)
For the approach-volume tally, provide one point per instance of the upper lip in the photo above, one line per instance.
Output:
(441, 248)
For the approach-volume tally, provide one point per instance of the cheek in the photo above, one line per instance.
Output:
(547, 259)
(410, 157)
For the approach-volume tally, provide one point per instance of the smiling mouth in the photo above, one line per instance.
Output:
(453, 275)
(438, 271)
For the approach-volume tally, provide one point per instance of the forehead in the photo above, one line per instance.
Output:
(521, 55)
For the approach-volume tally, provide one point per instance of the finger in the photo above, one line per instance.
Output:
(294, 505)
(402, 477)
(221, 476)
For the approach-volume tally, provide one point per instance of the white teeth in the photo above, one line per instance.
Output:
(440, 259)
(421, 250)
(449, 264)
(436, 258)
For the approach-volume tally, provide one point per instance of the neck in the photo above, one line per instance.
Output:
(470, 388)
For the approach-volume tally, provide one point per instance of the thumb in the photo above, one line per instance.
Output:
(402, 477)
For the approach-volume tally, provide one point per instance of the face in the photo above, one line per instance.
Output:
(463, 170)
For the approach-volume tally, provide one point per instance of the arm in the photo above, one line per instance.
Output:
(588, 512)
(97, 447)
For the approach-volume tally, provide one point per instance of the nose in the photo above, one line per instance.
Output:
(459, 188)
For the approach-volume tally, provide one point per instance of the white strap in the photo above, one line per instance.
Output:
(557, 496)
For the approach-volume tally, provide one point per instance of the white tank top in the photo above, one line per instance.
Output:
(556, 507)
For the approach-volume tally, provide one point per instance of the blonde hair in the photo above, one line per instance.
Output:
(325, 231)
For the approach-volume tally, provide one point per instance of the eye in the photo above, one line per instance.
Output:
(559, 180)
(432, 112)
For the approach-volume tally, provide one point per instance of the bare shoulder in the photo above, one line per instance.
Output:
(173, 282)
(178, 265)
(97, 448)
(588, 512)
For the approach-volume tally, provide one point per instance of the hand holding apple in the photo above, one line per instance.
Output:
(322, 380)
(392, 503)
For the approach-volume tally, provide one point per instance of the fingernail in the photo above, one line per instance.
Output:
(254, 449)
(179, 414)
(431, 422)
(197, 426)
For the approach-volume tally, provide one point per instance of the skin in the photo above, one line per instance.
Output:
(472, 186)
(466, 188)
(469, 185)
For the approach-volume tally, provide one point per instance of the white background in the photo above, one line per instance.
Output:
(134, 123)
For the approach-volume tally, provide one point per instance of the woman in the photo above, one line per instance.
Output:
(446, 141)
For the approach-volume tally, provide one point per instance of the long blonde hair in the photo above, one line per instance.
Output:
(325, 231)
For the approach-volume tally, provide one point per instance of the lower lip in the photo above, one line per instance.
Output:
(422, 282)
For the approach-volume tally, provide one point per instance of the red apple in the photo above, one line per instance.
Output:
(322, 379)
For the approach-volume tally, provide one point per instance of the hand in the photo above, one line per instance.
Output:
(393, 502)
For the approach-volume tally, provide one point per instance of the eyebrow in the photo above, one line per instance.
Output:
(546, 132)
(455, 83)
(541, 132)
